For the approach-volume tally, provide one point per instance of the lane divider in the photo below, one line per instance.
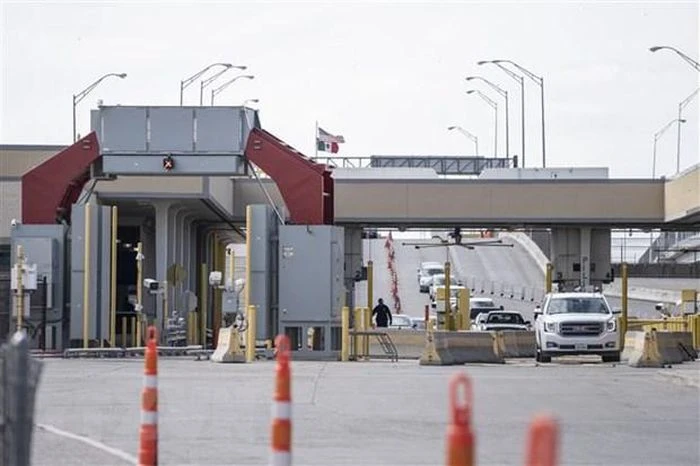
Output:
(281, 454)
(148, 435)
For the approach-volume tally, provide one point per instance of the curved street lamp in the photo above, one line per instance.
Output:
(191, 79)
(493, 105)
(219, 89)
(211, 79)
(82, 94)
(657, 136)
(245, 102)
(467, 134)
(685, 57)
(540, 82)
(520, 80)
(504, 94)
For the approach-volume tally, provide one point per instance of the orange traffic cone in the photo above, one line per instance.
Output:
(148, 436)
(460, 439)
(542, 442)
(282, 406)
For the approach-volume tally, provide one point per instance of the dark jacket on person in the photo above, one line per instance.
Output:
(383, 314)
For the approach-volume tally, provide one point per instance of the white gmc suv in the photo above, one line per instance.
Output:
(576, 323)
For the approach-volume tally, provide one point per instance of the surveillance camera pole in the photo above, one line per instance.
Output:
(19, 267)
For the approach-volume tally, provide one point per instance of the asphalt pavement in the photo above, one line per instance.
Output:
(366, 413)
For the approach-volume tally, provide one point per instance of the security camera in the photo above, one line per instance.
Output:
(14, 222)
(151, 284)
(215, 278)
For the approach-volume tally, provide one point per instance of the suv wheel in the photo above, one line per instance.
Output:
(541, 357)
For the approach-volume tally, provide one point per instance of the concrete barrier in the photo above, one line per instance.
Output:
(517, 343)
(676, 347)
(228, 347)
(448, 348)
(641, 350)
(658, 349)
(409, 343)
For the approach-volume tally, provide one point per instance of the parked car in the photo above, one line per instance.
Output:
(426, 271)
(400, 321)
(482, 305)
(576, 323)
(501, 320)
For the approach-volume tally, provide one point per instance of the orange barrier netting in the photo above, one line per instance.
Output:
(542, 442)
(281, 454)
(460, 439)
(148, 435)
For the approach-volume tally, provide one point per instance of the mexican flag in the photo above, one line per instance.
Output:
(327, 142)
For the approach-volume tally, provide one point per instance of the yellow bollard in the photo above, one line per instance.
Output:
(251, 334)
(357, 326)
(123, 331)
(195, 327)
(367, 325)
(203, 304)
(449, 316)
(463, 309)
(370, 284)
(548, 278)
(345, 334)
(132, 321)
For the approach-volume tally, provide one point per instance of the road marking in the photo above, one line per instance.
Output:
(90, 442)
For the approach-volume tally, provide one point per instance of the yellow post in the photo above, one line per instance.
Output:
(367, 324)
(463, 309)
(357, 315)
(86, 279)
(345, 334)
(370, 284)
(203, 303)
(113, 283)
(134, 329)
(19, 268)
(123, 331)
(251, 334)
(625, 302)
(449, 316)
(548, 278)
(195, 327)
(139, 290)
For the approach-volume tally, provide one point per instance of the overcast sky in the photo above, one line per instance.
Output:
(387, 76)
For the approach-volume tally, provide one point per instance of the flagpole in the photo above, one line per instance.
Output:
(316, 142)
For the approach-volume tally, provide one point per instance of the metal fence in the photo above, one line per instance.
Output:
(19, 378)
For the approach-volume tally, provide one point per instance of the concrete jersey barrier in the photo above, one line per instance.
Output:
(228, 346)
(517, 343)
(448, 348)
(658, 349)
(409, 343)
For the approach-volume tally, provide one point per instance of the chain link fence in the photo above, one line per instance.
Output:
(19, 378)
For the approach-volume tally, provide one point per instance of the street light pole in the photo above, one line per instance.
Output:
(219, 89)
(657, 136)
(493, 105)
(191, 79)
(503, 93)
(681, 106)
(467, 134)
(209, 80)
(685, 57)
(82, 94)
(540, 82)
(520, 80)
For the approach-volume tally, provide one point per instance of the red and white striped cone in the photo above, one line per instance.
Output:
(281, 454)
(542, 442)
(148, 435)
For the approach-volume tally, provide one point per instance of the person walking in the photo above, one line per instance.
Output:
(383, 314)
